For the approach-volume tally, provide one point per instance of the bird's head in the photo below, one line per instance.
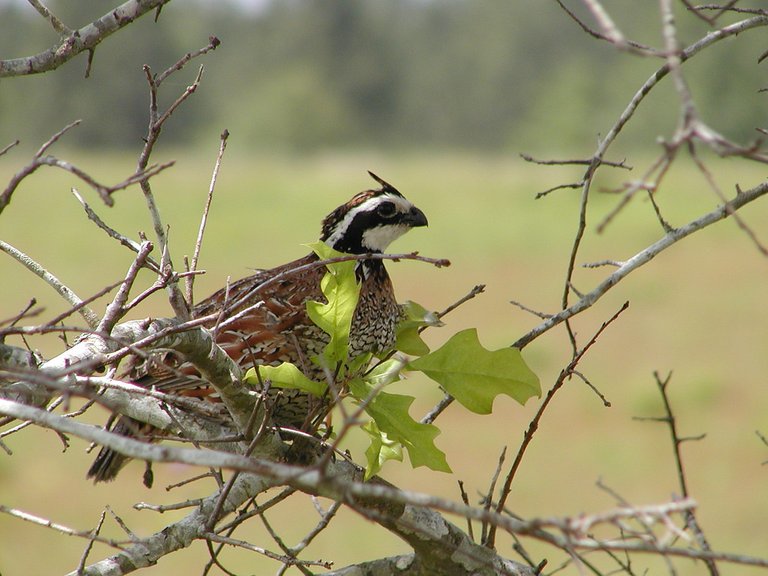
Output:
(371, 220)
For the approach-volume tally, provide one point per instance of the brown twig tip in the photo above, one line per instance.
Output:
(9, 146)
(214, 42)
(576, 161)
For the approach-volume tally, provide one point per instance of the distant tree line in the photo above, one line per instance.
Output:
(398, 74)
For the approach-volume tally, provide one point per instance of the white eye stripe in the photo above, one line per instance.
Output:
(401, 204)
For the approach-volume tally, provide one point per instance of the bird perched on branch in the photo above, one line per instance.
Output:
(262, 319)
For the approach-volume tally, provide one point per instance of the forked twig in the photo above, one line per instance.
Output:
(643, 257)
(156, 122)
(677, 441)
(534, 424)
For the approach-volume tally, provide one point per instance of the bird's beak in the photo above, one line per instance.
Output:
(415, 218)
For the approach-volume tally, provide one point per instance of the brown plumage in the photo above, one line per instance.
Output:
(262, 319)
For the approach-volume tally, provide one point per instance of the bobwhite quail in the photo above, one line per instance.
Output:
(265, 322)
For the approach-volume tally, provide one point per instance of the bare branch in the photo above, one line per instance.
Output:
(26, 516)
(156, 121)
(248, 546)
(57, 24)
(213, 43)
(204, 219)
(111, 232)
(90, 317)
(83, 39)
(534, 424)
(9, 147)
(104, 192)
(643, 257)
(605, 143)
(736, 217)
(578, 162)
(5, 197)
(610, 31)
(116, 308)
(677, 441)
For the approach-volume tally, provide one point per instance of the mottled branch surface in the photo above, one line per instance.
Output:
(77, 41)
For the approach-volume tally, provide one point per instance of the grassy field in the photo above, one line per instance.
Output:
(697, 310)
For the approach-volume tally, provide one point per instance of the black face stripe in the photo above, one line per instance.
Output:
(352, 239)
(334, 218)
(371, 220)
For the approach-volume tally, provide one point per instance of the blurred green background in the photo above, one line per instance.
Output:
(484, 75)
(438, 98)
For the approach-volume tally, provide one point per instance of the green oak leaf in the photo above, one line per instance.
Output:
(341, 290)
(385, 372)
(380, 450)
(415, 316)
(286, 375)
(390, 412)
(475, 375)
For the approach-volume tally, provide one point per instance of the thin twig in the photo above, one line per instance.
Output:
(605, 143)
(156, 122)
(213, 43)
(111, 232)
(65, 292)
(204, 218)
(578, 162)
(87, 534)
(116, 309)
(248, 546)
(57, 24)
(610, 31)
(677, 441)
(274, 501)
(25, 312)
(89, 546)
(476, 290)
(161, 508)
(322, 524)
(643, 257)
(5, 197)
(534, 424)
(488, 500)
(225, 490)
(13, 144)
(284, 547)
(465, 499)
(523, 307)
(80, 40)
(736, 217)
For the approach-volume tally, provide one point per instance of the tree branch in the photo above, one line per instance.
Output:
(83, 39)
(720, 213)
(64, 291)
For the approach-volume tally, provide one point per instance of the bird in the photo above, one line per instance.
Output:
(262, 319)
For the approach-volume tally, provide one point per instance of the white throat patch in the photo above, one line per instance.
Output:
(376, 239)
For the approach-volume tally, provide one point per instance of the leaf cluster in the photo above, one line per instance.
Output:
(462, 367)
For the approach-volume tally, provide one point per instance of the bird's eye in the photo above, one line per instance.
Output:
(386, 209)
